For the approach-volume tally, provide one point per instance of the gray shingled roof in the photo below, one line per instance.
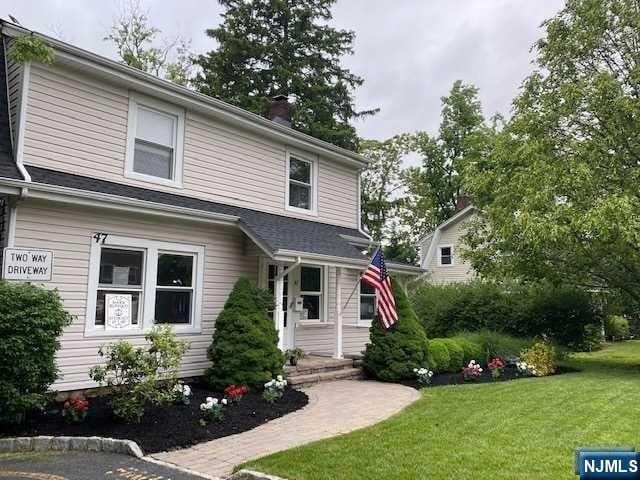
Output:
(277, 232)
(8, 167)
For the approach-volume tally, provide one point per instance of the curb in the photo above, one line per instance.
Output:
(253, 475)
(86, 444)
(81, 444)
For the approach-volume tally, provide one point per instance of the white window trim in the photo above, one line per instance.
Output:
(313, 160)
(136, 99)
(366, 322)
(324, 317)
(146, 321)
(440, 264)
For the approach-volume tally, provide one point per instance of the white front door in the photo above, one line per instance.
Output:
(288, 335)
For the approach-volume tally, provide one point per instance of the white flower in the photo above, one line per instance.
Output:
(224, 401)
(209, 400)
(215, 401)
(431, 374)
(279, 378)
(480, 370)
(186, 391)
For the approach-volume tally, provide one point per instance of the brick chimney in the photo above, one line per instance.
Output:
(280, 110)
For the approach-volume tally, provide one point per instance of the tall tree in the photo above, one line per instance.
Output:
(266, 48)
(137, 45)
(559, 186)
(434, 187)
(381, 184)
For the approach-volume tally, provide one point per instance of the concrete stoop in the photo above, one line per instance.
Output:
(312, 370)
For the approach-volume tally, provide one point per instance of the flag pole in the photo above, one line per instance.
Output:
(353, 291)
(357, 283)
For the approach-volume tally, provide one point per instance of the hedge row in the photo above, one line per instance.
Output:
(566, 315)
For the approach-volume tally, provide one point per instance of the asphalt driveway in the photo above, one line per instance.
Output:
(83, 466)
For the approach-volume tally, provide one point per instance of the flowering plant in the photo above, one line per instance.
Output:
(75, 410)
(274, 389)
(525, 369)
(236, 392)
(472, 371)
(212, 410)
(182, 393)
(423, 375)
(496, 366)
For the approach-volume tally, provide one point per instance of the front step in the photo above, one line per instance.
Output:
(312, 369)
(301, 381)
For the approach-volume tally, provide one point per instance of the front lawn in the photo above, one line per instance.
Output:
(526, 429)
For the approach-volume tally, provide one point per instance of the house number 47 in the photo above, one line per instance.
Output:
(100, 237)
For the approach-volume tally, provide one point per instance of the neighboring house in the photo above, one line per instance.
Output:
(440, 251)
(154, 200)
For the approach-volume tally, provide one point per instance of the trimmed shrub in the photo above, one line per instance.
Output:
(472, 350)
(616, 327)
(244, 350)
(31, 320)
(560, 313)
(392, 354)
(439, 354)
(456, 354)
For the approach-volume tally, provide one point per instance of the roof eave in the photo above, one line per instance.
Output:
(142, 81)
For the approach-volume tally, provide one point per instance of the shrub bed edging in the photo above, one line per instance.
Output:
(82, 444)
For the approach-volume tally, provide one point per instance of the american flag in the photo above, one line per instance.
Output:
(377, 276)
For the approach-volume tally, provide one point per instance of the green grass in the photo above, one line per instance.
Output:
(526, 429)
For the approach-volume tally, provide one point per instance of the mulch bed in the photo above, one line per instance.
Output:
(509, 373)
(166, 427)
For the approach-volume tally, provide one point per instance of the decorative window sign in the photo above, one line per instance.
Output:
(117, 311)
(27, 265)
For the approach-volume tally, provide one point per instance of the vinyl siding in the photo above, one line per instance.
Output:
(77, 124)
(320, 338)
(68, 232)
(14, 83)
(461, 269)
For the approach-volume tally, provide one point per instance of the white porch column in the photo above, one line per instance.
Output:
(338, 353)
(279, 311)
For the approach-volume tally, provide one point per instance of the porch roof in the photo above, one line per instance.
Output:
(276, 234)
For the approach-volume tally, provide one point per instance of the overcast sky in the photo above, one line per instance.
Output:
(408, 51)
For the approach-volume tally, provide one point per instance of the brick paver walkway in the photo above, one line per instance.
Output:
(334, 408)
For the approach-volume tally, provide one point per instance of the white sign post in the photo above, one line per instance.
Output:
(117, 311)
(27, 265)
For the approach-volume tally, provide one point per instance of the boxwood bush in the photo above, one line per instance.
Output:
(439, 353)
(245, 349)
(392, 354)
(31, 320)
(471, 350)
(456, 354)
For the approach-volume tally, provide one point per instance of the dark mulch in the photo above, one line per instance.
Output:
(165, 427)
(509, 373)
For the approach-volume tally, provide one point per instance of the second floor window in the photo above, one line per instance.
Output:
(301, 186)
(154, 150)
(446, 255)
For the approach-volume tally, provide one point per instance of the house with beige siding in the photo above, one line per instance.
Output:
(441, 251)
(146, 202)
